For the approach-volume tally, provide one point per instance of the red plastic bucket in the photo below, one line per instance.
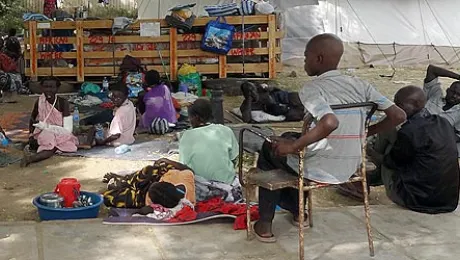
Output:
(69, 189)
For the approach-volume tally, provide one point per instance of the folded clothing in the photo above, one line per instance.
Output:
(222, 10)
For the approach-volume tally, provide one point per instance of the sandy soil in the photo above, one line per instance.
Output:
(19, 186)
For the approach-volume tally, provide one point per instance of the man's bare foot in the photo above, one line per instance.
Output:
(263, 230)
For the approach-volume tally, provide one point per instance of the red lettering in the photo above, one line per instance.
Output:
(189, 37)
(239, 52)
(50, 55)
(247, 36)
(96, 39)
(55, 40)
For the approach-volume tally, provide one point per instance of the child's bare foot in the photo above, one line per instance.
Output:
(25, 161)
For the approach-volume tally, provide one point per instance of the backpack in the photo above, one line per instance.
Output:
(131, 64)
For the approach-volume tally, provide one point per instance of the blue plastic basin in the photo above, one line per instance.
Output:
(48, 213)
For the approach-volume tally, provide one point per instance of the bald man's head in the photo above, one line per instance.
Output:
(411, 99)
(322, 54)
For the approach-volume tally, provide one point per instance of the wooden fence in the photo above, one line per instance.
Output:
(97, 55)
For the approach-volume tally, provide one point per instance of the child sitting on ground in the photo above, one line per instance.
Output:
(156, 102)
(123, 124)
(50, 124)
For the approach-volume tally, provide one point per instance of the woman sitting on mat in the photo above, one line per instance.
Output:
(157, 101)
(50, 124)
(123, 124)
(210, 150)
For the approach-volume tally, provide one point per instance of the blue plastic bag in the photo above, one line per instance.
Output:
(218, 37)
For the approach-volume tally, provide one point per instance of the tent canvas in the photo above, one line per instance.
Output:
(379, 32)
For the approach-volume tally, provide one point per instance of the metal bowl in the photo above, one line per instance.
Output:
(52, 200)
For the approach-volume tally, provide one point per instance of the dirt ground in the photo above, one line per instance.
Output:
(19, 186)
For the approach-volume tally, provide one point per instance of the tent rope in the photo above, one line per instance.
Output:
(373, 39)
(442, 28)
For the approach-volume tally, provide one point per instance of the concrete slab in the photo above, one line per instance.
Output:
(18, 242)
(430, 252)
(360, 251)
(406, 228)
(339, 233)
(92, 240)
(341, 229)
(212, 241)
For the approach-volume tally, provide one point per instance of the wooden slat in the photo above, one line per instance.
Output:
(56, 40)
(53, 55)
(122, 54)
(222, 66)
(104, 71)
(148, 54)
(202, 68)
(272, 46)
(33, 50)
(99, 39)
(100, 24)
(56, 71)
(173, 53)
(80, 53)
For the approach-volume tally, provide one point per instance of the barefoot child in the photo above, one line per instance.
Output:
(123, 124)
(50, 124)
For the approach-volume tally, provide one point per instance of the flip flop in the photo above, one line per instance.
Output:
(271, 239)
(295, 223)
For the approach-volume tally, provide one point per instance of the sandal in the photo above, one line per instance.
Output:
(271, 239)
(295, 222)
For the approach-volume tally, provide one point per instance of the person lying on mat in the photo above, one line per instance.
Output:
(210, 150)
(136, 191)
(322, 56)
(273, 101)
(418, 163)
(50, 124)
(437, 104)
(121, 130)
(156, 102)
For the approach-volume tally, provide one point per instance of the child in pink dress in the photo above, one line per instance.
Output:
(54, 131)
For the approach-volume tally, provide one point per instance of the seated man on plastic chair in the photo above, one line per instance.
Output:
(330, 87)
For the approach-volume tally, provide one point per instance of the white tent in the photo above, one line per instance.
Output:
(379, 32)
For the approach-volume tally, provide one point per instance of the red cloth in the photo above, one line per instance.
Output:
(107, 105)
(7, 64)
(217, 205)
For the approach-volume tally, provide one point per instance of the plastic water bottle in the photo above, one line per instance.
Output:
(122, 149)
(105, 85)
(4, 141)
(76, 118)
(99, 132)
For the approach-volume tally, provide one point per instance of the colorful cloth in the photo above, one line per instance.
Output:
(162, 213)
(123, 123)
(130, 191)
(206, 190)
(185, 178)
(209, 151)
(7, 64)
(158, 104)
(217, 205)
(49, 7)
(48, 140)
